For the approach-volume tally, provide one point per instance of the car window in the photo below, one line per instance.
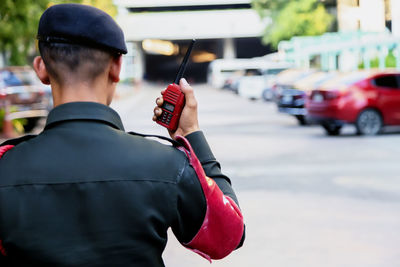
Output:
(389, 81)
(9, 79)
(274, 71)
(227, 71)
(253, 72)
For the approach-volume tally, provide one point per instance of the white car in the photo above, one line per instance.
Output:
(251, 86)
(258, 86)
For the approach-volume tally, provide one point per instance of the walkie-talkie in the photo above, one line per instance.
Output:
(174, 99)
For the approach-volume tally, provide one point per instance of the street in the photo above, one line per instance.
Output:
(308, 199)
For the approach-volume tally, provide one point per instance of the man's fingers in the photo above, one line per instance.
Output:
(189, 93)
(159, 101)
(185, 87)
(157, 111)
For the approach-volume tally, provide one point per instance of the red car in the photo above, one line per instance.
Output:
(367, 99)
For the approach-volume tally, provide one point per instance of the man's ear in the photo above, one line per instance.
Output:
(40, 69)
(115, 68)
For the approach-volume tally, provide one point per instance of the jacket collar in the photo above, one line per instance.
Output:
(85, 111)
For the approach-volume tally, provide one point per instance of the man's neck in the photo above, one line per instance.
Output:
(81, 93)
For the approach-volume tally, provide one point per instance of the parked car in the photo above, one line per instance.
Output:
(367, 99)
(251, 79)
(271, 76)
(25, 94)
(257, 84)
(288, 99)
(232, 83)
(220, 71)
(295, 98)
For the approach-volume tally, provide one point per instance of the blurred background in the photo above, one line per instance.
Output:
(300, 101)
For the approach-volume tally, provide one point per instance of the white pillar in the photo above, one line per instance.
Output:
(133, 62)
(348, 60)
(332, 59)
(396, 52)
(2, 60)
(396, 17)
(139, 63)
(372, 15)
(366, 59)
(383, 52)
(229, 49)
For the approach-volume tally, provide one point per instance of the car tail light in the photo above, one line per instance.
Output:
(325, 95)
(299, 96)
(3, 94)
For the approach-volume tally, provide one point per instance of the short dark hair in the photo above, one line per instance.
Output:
(85, 63)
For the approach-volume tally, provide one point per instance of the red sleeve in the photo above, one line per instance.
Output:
(222, 228)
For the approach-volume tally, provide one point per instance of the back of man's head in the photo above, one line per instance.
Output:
(81, 63)
(78, 41)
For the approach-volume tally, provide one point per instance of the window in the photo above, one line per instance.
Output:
(389, 81)
(274, 71)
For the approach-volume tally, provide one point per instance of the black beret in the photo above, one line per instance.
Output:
(81, 24)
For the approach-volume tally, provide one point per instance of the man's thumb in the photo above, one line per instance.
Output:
(188, 91)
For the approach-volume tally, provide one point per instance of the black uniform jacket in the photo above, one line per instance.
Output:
(85, 193)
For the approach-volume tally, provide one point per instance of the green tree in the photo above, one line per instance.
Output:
(105, 5)
(19, 20)
(18, 26)
(292, 18)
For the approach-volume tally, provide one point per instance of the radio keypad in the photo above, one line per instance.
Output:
(166, 117)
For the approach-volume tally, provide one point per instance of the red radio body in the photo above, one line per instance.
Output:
(174, 101)
(174, 98)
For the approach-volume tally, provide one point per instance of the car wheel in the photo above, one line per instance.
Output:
(369, 122)
(301, 119)
(267, 95)
(332, 129)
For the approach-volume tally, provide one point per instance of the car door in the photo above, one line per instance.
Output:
(388, 87)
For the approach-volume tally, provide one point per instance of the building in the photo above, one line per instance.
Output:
(364, 15)
(368, 30)
(369, 15)
(158, 31)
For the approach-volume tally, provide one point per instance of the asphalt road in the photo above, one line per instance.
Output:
(308, 199)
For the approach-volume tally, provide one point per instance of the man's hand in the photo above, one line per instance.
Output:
(188, 123)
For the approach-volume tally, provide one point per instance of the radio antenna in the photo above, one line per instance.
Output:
(182, 68)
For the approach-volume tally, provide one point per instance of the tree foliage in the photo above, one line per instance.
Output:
(18, 25)
(292, 18)
(105, 5)
(19, 20)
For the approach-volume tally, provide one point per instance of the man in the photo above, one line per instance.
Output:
(84, 192)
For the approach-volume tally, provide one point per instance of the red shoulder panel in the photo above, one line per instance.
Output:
(223, 226)
(4, 149)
